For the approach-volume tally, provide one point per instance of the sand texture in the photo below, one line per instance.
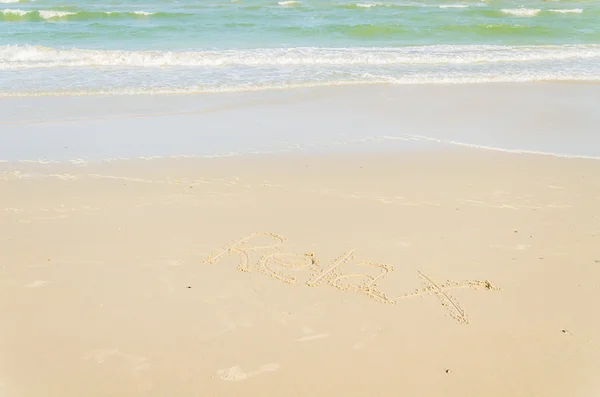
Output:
(455, 272)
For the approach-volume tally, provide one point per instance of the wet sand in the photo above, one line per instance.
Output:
(557, 118)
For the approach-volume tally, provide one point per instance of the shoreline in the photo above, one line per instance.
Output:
(297, 87)
(441, 148)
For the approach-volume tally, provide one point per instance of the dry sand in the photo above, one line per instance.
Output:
(438, 273)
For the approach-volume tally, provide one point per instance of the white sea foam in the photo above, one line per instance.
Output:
(378, 4)
(454, 6)
(568, 10)
(44, 14)
(485, 147)
(15, 11)
(48, 14)
(9, 1)
(365, 80)
(28, 57)
(521, 12)
(288, 3)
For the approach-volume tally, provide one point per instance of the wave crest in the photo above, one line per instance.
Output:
(568, 10)
(14, 14)
(521, 12)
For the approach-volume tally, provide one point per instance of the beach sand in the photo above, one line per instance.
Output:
(433, 272)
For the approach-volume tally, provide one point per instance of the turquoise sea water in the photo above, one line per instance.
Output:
(186, 46)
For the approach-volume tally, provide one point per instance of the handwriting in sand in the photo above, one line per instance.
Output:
(276, 263)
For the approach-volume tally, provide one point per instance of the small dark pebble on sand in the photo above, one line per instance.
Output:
(447, 371)
(189, 286)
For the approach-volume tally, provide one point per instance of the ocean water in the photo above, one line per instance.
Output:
(87, 47)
